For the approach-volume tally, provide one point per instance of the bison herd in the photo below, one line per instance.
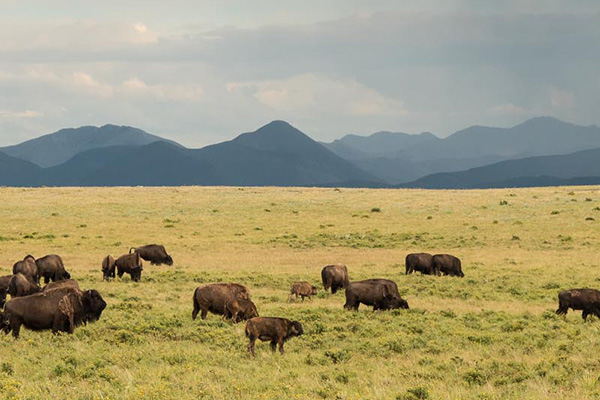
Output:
(60, 305)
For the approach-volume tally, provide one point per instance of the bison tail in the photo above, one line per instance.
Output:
(247, 331)
(196, 305)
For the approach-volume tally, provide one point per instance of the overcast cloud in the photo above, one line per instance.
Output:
(201, 72)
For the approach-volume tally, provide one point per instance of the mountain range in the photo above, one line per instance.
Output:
(539, 152)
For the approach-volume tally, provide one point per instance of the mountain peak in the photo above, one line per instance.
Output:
(276, 135)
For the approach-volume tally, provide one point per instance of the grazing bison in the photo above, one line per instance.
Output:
(334, 277)
(20, 285)
(239, 310)
(447, 265)
(51, 268)
(302, 289)
(422, 262)
(28, 268)
(155, 253)
(587, 300)
(213, 297)
(108, 267)
(131, 264)
(4, 288)
(276, 330)
(60, 310)
(382, 294)
(69, 283)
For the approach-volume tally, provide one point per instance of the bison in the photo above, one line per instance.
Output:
(60, 309)
(108, 267)
(422, 262)
(4, 280)
(334, 277)
(448, 265)
(302, 289)
(587, 300)
(20, 285)
(276, 330)
(155, 253)
(131, 264)
(382, 294)
(69, 283)
(239, 310)
(51, 268)
(28, 268)
(213, 297)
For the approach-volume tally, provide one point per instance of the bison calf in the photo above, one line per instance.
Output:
(239, 310)
(28, 268)
(275, 330)
(587, 300)
(302, 289)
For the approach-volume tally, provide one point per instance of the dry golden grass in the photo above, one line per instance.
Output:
(490, 335)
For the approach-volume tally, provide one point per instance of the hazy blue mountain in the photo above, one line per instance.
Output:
(279, 154)
(479, 146)
(583, 166)
(377, 145)
(276, 154)
(16, 172)
(58, 147)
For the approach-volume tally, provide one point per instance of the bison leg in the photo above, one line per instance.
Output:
(204, 313)
(280, 343)
(196, 309)
(235, 317)
(251, 345)
(15, 326)
(273, 345)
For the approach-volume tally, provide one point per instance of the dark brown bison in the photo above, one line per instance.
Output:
(60, 310)
(28, 268)
(334, 277)
(447, 265)
(422, 262)
(302, 289)
(239, 310)
(51, 268)
(587, 300)
(213, 297)
(69, 283)
(108, 267)
(131, 264)
(4, 280)
(20, 285)
(155, 253)
(275, 330)
(382, 294)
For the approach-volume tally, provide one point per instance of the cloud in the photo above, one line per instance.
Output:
(509, 109)
(318, 94)
(561, 99)
(20, 114)
(182, 93)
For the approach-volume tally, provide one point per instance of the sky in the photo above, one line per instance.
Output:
(201, 72)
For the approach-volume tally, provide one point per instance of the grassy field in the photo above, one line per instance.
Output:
(490, 335)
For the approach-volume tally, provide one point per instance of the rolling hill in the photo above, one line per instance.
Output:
(582, 167)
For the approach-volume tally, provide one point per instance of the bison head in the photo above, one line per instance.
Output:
(93, 305)
(296, 329)
(136, 274)
(169, 261)
(313, 290)
(63, 276)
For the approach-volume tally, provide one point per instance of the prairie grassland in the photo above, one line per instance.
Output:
(490, 335)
